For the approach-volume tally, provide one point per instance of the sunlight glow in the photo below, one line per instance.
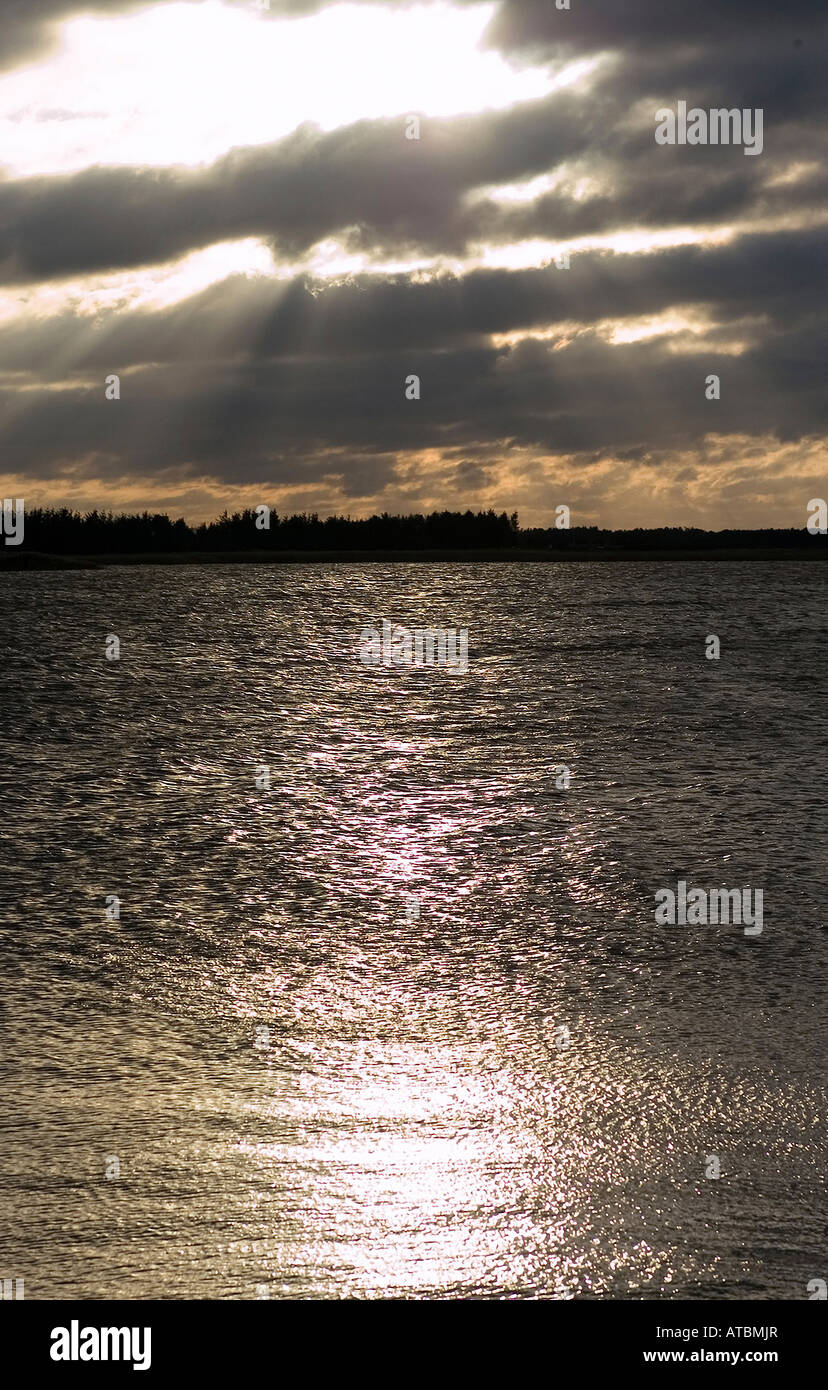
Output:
(223, 76)
(150, 287)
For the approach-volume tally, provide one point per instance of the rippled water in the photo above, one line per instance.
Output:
(312, 1093)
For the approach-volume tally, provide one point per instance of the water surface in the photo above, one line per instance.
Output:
(310, 1093)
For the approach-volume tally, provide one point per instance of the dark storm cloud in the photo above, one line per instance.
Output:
(382, 193)
(636, 24)
(768, 278)
(528, 26)
(308, 186)
(681, 192)
(257, 381)
(288, 421)
(623, 23)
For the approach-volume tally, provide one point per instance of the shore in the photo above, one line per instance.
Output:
(35, 560)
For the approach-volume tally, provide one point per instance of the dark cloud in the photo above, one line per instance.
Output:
(760, 283)
(294, 420)
(289, 383)
(365, 177)
(524, 26)
(382, 193)
(652, 24)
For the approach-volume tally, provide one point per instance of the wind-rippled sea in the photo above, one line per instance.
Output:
(308, 1090)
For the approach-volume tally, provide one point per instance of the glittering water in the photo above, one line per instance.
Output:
(309, 1090)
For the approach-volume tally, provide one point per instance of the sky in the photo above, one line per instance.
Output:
(220, 203)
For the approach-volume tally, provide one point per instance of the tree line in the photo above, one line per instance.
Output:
(62, 531)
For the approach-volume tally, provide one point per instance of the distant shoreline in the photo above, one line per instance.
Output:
(14, 562)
